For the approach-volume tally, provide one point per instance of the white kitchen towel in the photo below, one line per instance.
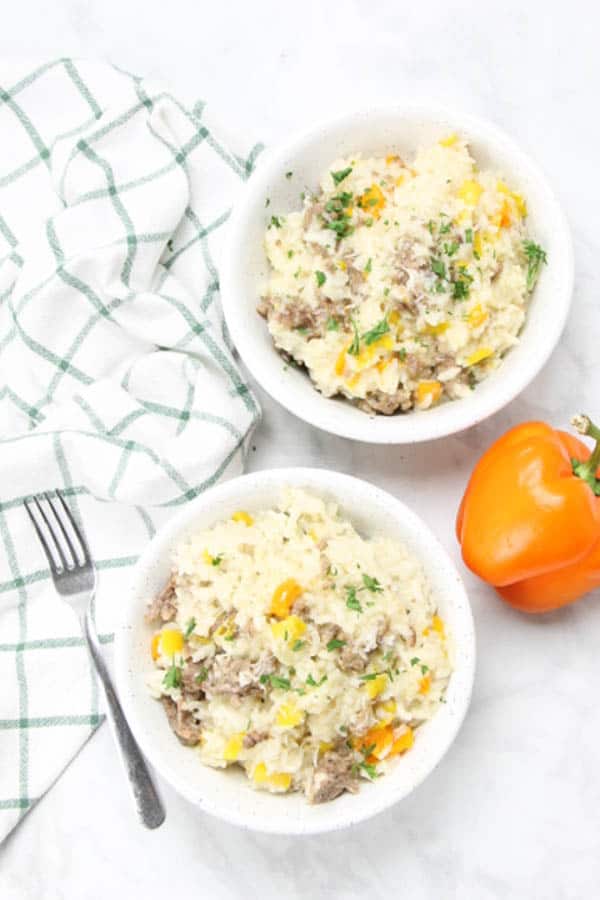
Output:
(117, 383)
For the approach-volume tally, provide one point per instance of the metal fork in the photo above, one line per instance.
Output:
(74, 576)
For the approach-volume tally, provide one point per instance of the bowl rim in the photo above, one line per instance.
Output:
(414, 427)
(338, 485)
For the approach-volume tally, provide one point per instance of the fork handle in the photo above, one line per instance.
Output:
(147, 801)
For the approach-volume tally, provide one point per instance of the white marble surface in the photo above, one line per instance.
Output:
(514, 810)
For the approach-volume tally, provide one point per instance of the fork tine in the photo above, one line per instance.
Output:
(52, 531)
(42, 538)
(64, 531)
(78, 532)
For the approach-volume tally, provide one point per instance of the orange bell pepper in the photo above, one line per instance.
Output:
(529, 521)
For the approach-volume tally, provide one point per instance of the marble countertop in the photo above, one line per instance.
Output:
(514, 810)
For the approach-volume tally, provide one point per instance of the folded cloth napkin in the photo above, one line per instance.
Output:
(117, 383)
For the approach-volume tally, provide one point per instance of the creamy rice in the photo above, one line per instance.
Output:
(401, 285)
(297, 650)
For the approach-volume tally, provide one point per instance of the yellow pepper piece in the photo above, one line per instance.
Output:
(284, 597)
(399, 181)
(385, 711)
(279, 780)
(436, 329)
(340, 363)
(325, 746)
(427, 389)
(376, 686)
(171, 642)
(517, 199)
(342, 265)
(372, 201)
(242, 516)
(403, 743)
(438, 625)
(391, 158)
(207, 558)
(425, 684)
(233, 747)
(477, 316)
(470, 192)
(379, 739)
(154, 646)
(291, 626)
(366, 355)
(449, 141)
(288, 715)
(479, 355)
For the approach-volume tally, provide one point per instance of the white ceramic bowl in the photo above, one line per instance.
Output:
(403, 129)
(227, 794)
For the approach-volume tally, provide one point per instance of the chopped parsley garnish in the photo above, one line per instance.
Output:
(335, 644)
(451, 248)
(376, 332)
(217, 560)
(275, 222)
(202, 675)
(415, 660)
(229, 637)
(460, 288)
(340, 175)
(276, 681)
(267, 201)
(402, 354)
(311, 681)
(430, 226)
(321, 278)
(469, 235)
(445, 226)
(172, 678)
(342, 226)
(189, 628)
(536, 257)
(424, 669)
(372, 584)
(370, 769)
(290, 254)
(332, 324)
(297, 645)
(288, 174)
(438, 267)
(371, 676)
(354, 348)
(369, 265)
(352, 601)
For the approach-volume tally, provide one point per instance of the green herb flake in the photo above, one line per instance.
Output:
(369, 265)
(288, 174)
(267, 202)
(217, 560)
(536, 258)
(451, 248)
(275, 222)
(415, 660)
(332, 324)
(469, 236)
(202, 675)
(298, 645)
(290, 253)
(276, 681)
(321, 278)
(371, 584)
(335, 644)
(460, 289)
(172, 677)
(189, 628)
(424, 670)
(402, 354)
(370, 769)
(354, 348)
(339, 176)
(438, 267)
(352, 601)
(371, 676)
(376, 332)
(311, 681)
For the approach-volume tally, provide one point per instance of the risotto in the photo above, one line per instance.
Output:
(400, 285)
(289, 646)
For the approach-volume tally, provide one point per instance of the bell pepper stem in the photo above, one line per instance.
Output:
(587, 470)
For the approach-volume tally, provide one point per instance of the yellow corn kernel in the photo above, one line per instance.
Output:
(438, 625)
(477, 244)
(154, 646)
(342, 265)
(399, 181)
(470, 192)
(288, 715)
(242, 516)
(313, 535)
(449, 141)
(477, 316)
(403, 743)
(391, 158)
(291, 626)
(340, 363)
(284, 597)
(427, 389)
(425, 684)
(171, 642)
(436, 329)
(372, 201)
(207, 558)
(259, 775)
(233, 747)
(375, 687)
(326, 746)
(479, 355)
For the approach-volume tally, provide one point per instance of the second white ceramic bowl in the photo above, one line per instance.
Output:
(401, 129)
(228, 794)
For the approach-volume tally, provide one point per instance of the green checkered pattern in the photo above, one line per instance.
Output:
(117, 380)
